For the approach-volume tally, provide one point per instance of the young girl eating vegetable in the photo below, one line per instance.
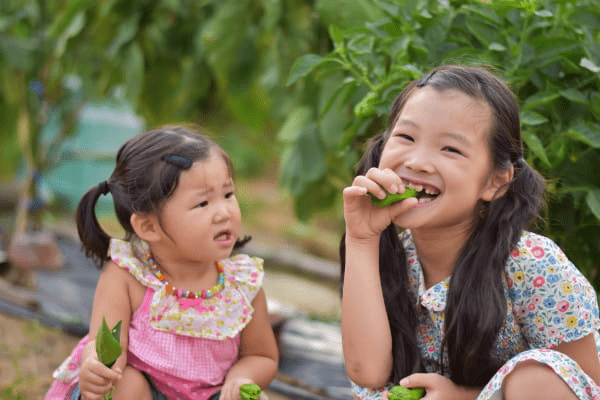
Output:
(447, 290)
(194, 316)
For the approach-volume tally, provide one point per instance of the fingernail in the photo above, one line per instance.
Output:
(404, 381)
(394, 189)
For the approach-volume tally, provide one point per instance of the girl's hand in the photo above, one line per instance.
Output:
(363, 220)
(96, 379)
(438, 387)
(231, 389)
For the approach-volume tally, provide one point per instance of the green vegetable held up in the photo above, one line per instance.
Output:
(401, 393)
(250, 391)
(393, 198)
(108, 347)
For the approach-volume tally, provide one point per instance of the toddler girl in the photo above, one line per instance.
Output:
(194, 317)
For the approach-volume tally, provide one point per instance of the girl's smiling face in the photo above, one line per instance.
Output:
(202, 217)
(439, 143)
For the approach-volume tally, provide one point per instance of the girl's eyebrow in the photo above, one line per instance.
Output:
(404, 121)
(459, 138)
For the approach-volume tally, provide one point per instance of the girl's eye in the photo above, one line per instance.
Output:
(202, 204)
(405, 137)
(229, 195)
(451, 149)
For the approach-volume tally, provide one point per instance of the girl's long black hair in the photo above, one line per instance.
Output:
(476, 302)
(147, 172)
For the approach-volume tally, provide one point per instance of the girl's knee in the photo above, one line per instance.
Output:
(133, 385)
(531, 380)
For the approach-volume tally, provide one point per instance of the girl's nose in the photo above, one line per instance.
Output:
(222, 212)
(419, 162)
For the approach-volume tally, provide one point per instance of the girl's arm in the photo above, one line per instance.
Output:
(366, 334)
(258, 358)
(111, 301)
(585, 353)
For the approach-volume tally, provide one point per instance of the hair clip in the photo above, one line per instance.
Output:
(425, 79)
(178, 161)
(520, 162)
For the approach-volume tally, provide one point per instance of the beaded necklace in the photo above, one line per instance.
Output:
(187, 294)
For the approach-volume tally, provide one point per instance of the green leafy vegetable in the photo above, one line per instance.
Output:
(393, 198)
(250, 391)
(401, 393)
(108, 345)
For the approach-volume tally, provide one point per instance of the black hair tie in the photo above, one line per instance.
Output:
(178, 161)
(103, 186)
(425, 79)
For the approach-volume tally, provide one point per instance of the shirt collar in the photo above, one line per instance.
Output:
(434, 298)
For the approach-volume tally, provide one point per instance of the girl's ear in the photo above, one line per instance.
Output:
(145, 226)
(497, 184)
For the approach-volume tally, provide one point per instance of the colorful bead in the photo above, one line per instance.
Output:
(170, 289)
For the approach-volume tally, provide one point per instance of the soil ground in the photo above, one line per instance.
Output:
(30, 351)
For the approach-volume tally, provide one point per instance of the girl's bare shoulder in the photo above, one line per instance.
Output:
(117, 281)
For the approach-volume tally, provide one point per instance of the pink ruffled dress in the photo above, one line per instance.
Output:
(186, 346)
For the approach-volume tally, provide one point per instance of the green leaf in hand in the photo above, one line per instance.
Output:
(401, 393)
(108, 345)
(392, 198)
(250, 391)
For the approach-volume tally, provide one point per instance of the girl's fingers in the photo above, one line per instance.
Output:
(386, 180)
(354, 191)
(369, 186)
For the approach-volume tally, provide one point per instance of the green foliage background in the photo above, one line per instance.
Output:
(311, 81)
(547, 51)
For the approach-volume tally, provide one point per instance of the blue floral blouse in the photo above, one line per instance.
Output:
(548, 302)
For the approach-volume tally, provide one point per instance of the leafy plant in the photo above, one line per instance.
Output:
(171, 60)
(547, 51)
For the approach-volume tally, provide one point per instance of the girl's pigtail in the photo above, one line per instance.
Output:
(400, 306)
(94, 241)
(478, 279)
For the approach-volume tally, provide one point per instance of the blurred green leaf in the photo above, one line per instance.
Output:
(125, 33)
(536, 146)
(532, 118)
(304, 66)
(540, 99)
(303, 161)
(75, 27)
(133, 66)
(293, 127)
(593, 201)
(586, 132)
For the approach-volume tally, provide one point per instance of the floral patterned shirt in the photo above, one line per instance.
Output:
(548, 300)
